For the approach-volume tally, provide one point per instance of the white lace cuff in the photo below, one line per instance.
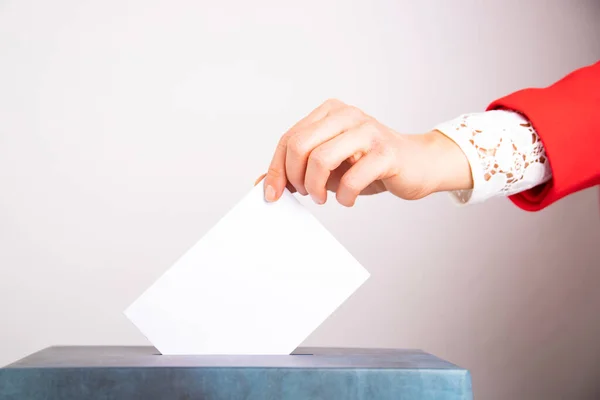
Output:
(505, 153)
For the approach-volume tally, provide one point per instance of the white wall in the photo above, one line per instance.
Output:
(127, 128)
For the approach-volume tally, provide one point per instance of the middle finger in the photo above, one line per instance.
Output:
(304, 141)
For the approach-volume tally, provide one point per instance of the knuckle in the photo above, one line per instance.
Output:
(381, 150)
(282, 146)
(371, 124)
(283, 142)
(297, 145)
(332, 103)
(370, 131)
(274, 173)
(350, 184)
(354, 112)
(372, 127)
(385, 152)
(319, 159)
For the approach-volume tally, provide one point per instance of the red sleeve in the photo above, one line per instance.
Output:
(566, 116)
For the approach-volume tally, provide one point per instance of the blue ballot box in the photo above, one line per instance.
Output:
(98, 372)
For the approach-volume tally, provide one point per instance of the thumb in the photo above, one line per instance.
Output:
(260, 178)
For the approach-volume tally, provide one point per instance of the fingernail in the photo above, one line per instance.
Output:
(316, 200)
(270, 193)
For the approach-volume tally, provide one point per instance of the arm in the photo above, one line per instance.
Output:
(566, 115)
(506, 155)
(507, 146)
(537, 146)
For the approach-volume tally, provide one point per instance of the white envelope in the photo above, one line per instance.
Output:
(259, 282)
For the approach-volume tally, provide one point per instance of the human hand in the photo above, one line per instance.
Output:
(341, 149)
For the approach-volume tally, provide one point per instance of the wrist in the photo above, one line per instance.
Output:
(450, 169)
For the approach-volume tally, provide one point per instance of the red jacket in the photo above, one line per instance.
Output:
(566, 116)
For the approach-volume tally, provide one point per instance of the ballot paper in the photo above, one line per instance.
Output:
(259, 282)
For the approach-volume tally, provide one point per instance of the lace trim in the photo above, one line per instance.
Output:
(505, 153)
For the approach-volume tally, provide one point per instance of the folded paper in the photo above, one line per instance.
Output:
(259, 282)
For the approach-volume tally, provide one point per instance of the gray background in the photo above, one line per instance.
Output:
(128, 128)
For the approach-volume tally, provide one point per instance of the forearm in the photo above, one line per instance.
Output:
(449, 167)
(566, 116)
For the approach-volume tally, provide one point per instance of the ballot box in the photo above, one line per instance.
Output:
(121, 372)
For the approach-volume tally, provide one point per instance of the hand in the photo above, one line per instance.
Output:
(341, 149)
